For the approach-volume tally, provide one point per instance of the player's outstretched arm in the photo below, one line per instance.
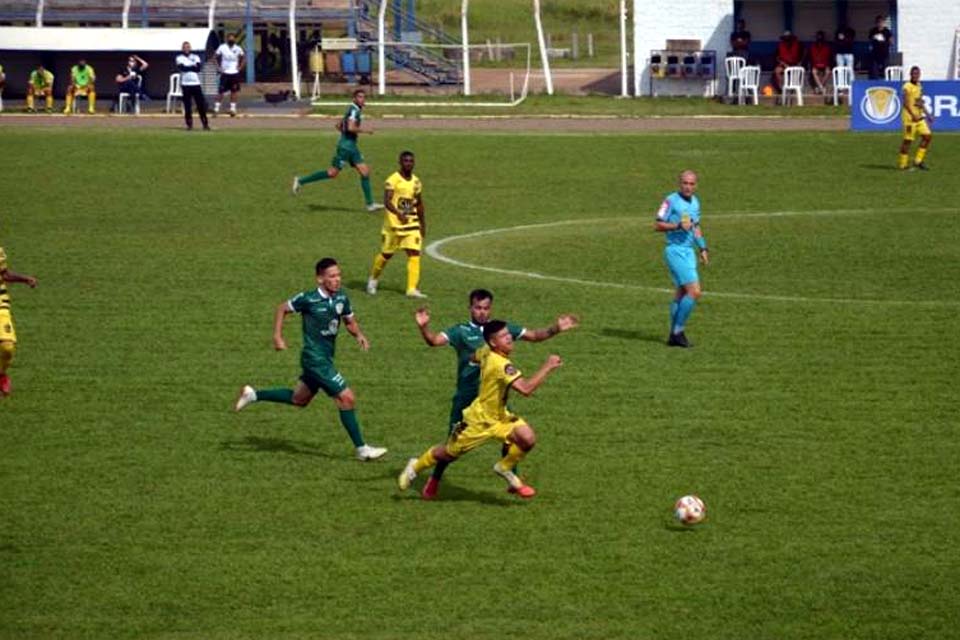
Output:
(563, 323)
(354, 328)
(422, 316)
(12, 276)
(283, 309)
(526, 386)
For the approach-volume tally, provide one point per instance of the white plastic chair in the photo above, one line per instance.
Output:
(894, 74)
(749, 81)
(734, 64)
(842, 81)
(792, 81)
(76, 100)
(135, 98)
(175, 90)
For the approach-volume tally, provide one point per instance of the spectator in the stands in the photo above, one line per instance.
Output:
(843, 46)
(881, 38)
(789, 54)
(740, 41)
(819, 54)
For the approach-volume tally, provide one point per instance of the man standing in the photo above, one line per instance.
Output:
(40, 83)
(323, 310)
(82, 79)
(466, 338)
(231, 62)
(189, 65)
(488, 418)
(881, 39)
(915, 120)
(8, 337)
(679, 219)
(404, 225)
(350, 127)
(843, 46)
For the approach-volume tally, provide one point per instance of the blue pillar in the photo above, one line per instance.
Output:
(841, 11)
(411, 16)
(251, 42)
(737, 12)
(893, 24)
(398, 20)
(788, 15)
(143, 14)
(354, 17)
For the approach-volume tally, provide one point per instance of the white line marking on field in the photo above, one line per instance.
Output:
(433, 250)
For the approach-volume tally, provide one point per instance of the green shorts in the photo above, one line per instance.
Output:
(347, 153)
(324, 376)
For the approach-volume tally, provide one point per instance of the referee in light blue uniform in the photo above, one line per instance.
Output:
(679, 220)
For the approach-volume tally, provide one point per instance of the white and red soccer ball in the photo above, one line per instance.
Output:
(690, 510)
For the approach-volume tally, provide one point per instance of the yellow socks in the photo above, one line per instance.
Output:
(902, 160)
(30, 101)
(514, 455)
(413, 273)
(69, 106)
(50, 101)
(425, 461)
(6, 354)
(91, 101)
(379, 264)
(921, 154)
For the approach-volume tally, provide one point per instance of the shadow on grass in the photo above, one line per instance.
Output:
(323, 208)
(361, 286)
(632, 334)
(879, 167)
(256, 444)
(453, 493)
(676, 527)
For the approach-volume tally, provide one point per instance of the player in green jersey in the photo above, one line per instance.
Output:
(82, 83)
(466, 338)
(350, 127)
(323, 310)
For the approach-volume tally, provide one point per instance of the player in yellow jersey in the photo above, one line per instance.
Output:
(82, 80)
(8, 337)
(40, 83)
(488, 418)
(916, 121)
(404, 225)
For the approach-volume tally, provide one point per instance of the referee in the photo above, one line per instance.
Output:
(189, 66)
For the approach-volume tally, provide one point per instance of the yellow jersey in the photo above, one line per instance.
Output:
(4, 294)
(497, 373)
(406, 197)
(912, 93)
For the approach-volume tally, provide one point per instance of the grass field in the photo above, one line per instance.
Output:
(815, 416)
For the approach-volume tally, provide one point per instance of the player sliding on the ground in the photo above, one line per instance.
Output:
(404, 225)
(465, 339)
(679, 220)
(487, 417)
(915, 122)
(323, 310)
(350, 127)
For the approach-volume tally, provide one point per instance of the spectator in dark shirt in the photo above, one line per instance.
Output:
(819, 54)
(130, 77)
(843, 46)
(881, 39)
(740, 41)
(789, 54)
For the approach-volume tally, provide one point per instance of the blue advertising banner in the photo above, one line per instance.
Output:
(875, 105)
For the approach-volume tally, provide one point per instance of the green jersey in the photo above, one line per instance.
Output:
(41, 80)
(82, 77)
(466, 339)
(353, 113)
(322, 314)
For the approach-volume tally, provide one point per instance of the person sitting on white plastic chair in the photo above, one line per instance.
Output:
(789, 54)
(819, 55)
(129, 81)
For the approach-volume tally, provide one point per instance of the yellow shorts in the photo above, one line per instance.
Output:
(913, 129)
(7, 334)
(393, 242)
(468, 436)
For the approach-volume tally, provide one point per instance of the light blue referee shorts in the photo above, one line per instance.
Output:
(682, 263)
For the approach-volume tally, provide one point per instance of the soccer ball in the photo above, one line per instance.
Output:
(690, 510)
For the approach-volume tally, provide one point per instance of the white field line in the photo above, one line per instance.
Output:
(433, 250)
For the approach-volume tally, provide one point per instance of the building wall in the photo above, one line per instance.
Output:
(709, 21)
(927, 36)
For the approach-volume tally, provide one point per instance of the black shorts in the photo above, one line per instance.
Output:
(229, 82)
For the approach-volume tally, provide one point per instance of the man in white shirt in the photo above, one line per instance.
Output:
(231, 61)
(189, 65)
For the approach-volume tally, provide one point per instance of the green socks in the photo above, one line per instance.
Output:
(314, 177)
(367, 191)
(349, 421)
(283, 396)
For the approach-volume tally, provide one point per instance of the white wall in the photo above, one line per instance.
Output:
(926, 31)
(709, 21)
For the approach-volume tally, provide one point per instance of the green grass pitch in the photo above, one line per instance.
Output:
(816, 415)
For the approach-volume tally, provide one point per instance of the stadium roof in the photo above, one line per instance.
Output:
(103, 39)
